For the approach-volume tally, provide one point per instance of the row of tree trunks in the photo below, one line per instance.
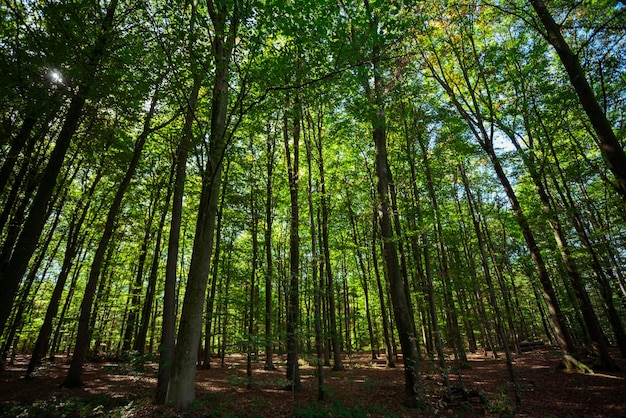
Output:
(26, 244)
(85, 322)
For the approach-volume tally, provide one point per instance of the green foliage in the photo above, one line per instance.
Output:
(337, 409)
(501, 403)
(88, 406)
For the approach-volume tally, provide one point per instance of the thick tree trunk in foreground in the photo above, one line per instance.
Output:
(168, 331)
(414, 388)
(180, 392)
(292, 294)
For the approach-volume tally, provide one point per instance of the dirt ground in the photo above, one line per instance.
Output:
(366, 388)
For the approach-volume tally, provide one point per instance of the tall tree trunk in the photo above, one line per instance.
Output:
(292, 293)
(381, 293)
(83, 337)
(269, 262)
(317, 282)
(598, 271)
(414, 389)
(558, 319)
(451, 315)
(56, 340)
(168, 331)
(254, 232)
(365, 278)
(335, 334)
(137, 287)
(492, 294)
(609, 144)
(180, 392)
(214, 274)
(25, 291)
(598, 339)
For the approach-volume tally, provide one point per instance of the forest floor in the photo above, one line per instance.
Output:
(366, 388)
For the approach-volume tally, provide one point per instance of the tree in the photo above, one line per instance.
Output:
(180, 392)
(27, 242)
(611, 148)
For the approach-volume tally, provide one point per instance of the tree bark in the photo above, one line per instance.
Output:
(414, 389)
(609, 144)
(168, 331)
(317, 281)
(292, 293)
(335, 334)
(180, 392)
(269, 267)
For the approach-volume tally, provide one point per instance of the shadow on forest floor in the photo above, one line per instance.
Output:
(366, 388)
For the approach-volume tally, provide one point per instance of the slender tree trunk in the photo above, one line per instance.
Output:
(292, 294)
(451, 314)
(558, 319)
(56, 341)
(252, 291)
(83, 337)
(381, 293)
(609, 144)
(317, 284)
(137, 287)
(168, 331)
(24, 292)
(364, 280)
(492, 294)
(146, 312)
(598, 340)
(269, 268)
(335, 334)
(579, 225)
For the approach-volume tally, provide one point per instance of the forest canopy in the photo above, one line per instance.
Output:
(190, 179)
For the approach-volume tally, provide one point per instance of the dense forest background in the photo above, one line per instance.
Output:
(191, 179)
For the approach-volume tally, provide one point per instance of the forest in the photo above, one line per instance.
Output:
(297, 186)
